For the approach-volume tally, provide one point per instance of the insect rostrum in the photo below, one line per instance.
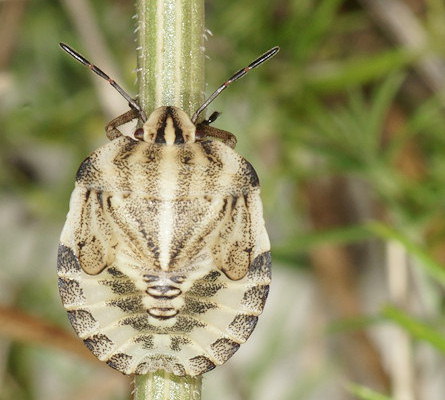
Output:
(164, 259)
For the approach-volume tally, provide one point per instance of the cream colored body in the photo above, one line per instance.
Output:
(164, 259)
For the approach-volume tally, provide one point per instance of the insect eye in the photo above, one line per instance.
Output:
(139, 134)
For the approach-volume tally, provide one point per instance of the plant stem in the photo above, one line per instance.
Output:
(171, 53)
(170, 72)
(161, 385)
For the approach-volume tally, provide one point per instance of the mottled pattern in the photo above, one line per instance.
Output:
(70, 292)
(223, 349)
(99, 345)
(242, 326)
(164, 260)
(66, 261)
(120, 361)
(82, 321)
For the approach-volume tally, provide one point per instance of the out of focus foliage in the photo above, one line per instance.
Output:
(344, 99)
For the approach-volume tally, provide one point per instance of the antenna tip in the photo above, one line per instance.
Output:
(65, 47)
(274, 50)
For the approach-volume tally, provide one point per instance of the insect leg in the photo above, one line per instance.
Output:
(203, 131)
(112, 127)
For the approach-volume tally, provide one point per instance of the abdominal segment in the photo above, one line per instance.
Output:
(183, 322)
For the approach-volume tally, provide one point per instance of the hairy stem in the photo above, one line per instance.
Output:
(171, 53)
(170, 37)
(161, 385)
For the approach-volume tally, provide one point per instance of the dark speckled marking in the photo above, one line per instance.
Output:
(99, 344)
(177, 342)
(70, 291)
(212, 155)
(201, 364)
(186, 324)
(120, 361)
(255, 298)
(142, 368)
(224, 348)
(183, 325)
(204, 289)
(128, 304)
(82, 321)
(115, 273)
(125, 152)
(120, 287)
(67, 262)
(139, 322)
(260, 269)
(146, 340)
(243, 325)
(195, 306)
(250, 172)
(211, 276)
(84, 169)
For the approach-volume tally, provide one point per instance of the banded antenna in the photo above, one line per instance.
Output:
(132, 102)
(237, 75)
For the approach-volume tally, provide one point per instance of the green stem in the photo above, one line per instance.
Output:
(161, 385)
(171, 53)
(170, 72)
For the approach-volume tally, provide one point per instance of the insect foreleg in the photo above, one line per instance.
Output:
(112, 127)
(203, 131)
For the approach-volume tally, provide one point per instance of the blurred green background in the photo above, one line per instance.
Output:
(346, 130)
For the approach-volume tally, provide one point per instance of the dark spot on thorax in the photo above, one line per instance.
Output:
(250, 172)
(84, 169)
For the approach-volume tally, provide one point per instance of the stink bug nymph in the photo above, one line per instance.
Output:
(164, 259)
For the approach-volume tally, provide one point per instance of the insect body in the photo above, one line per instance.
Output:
(164, 259)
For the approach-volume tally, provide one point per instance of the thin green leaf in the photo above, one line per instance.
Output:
(418, 330)
(354, 324)
(365, 393)
(339, 75)
(382, 98)
(322, 17)
(307, 241)
(426, 262)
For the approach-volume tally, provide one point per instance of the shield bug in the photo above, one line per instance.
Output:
(164, 260)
